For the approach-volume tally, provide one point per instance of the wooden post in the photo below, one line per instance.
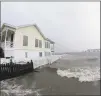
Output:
(32, 64)
(11, 63)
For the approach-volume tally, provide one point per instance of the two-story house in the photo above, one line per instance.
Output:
(25, 41)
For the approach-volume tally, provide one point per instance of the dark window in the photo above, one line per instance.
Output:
(40, 44)
(36, 42)
(25, 40)
(26, 55)
(40, 54)
(12, 35)
(45, 44)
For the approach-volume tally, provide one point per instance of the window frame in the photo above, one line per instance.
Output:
(40, 43)
(25, 43)
(45, 44)
(40, 55)
(48, 44)
(36, 43)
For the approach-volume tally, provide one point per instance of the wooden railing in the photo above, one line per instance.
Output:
(11, 69)
(2, 44)
(9, 44)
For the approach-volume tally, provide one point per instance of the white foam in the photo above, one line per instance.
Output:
(83, 74)
(17, 90)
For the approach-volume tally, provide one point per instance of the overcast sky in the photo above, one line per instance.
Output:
(74, 26)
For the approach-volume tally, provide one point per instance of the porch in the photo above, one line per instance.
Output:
(7, 38)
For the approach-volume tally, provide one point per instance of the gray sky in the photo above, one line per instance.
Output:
(74, 26)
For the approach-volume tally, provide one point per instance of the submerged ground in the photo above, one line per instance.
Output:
(75, 74)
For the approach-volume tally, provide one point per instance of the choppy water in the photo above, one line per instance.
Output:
(11, 88)
(82, 67)
(85, 67)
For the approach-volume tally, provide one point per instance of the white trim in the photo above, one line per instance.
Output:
(6, 37)
(9, 25)
(21, 26)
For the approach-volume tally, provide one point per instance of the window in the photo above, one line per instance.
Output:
(26, 55)
(47, 53)
(36, 42)
(45, 44)
(25, 40)
(40, 54)
(48, 45)
(12, 37)
(40, 44)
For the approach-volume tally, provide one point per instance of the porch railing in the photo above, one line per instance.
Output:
(9, 44)
(2, 44)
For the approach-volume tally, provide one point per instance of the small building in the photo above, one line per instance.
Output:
(25, 41)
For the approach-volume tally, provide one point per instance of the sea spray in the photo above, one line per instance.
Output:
(86, 74)
(10, 88)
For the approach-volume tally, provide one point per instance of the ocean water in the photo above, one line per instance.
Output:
(80, 70)
(12, 87)
(84, 66)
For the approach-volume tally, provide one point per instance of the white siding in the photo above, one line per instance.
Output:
(31, 54)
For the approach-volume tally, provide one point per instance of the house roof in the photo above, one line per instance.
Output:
(35, 25)
(8, 25)
(50, 40)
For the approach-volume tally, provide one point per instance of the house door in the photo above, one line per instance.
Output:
(12, 37)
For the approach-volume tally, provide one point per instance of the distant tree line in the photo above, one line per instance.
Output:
(93, 50)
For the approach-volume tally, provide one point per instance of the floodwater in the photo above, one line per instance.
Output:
(75, 74)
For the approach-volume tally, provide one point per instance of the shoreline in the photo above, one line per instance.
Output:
(50, 83)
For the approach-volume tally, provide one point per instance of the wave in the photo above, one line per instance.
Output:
(84, 74)
(14, 89)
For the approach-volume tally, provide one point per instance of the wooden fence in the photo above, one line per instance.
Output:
(11, 69)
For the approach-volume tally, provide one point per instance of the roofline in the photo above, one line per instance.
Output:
(9, 25)
(21, 26)
(27, 25)
(35, 25)
(50, 40)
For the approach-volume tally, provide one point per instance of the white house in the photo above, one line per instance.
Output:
(25, 41)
